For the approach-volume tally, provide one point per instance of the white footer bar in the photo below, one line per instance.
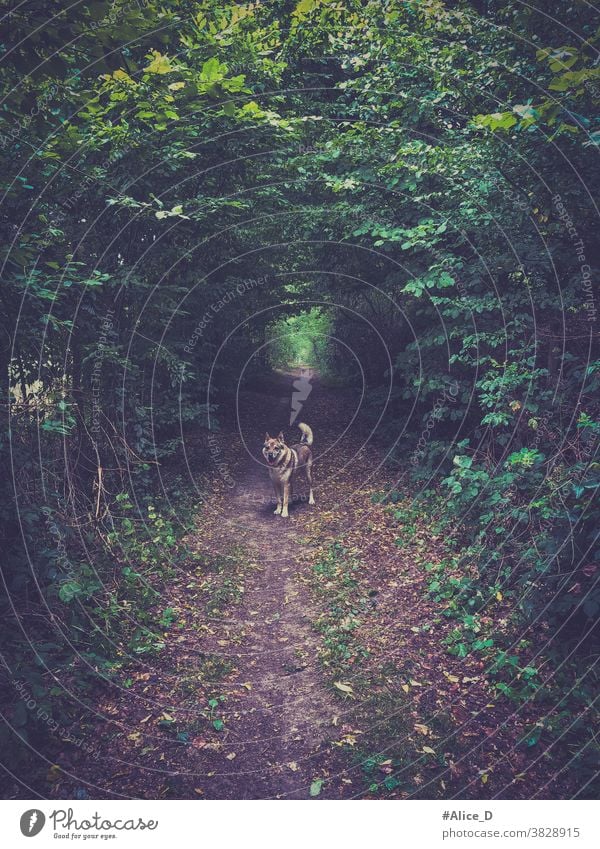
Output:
(314, 824)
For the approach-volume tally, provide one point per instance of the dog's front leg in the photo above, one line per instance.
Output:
(277, 488)
(286, 498)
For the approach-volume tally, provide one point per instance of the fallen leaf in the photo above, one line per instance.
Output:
(346, 740)
(230, 756)
(54, 773)
(428, 750)
(344, 687)
(315, 787)
(293, 766)
(422, 729)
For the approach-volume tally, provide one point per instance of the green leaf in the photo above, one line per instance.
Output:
(159, 65)
(69, 590)
(213, 70)
(315, 787)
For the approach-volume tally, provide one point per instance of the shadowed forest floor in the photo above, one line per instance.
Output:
(305, 657)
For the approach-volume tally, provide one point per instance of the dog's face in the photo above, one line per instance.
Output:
(273, 448)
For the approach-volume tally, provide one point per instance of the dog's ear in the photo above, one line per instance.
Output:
(280, 437)
(267, 437)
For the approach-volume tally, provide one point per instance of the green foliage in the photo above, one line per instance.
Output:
(344, 606)
(302, 339)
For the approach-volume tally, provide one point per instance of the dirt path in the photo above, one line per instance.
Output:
(282, 732)
(309, 652)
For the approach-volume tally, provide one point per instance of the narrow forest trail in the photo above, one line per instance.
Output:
(302, 653)
(282, 729)
(279, 733)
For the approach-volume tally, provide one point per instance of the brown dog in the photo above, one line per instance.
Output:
(284, 461)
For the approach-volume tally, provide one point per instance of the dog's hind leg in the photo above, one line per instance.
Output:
(308, 468)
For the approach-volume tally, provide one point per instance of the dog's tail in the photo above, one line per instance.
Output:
(307, 434)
